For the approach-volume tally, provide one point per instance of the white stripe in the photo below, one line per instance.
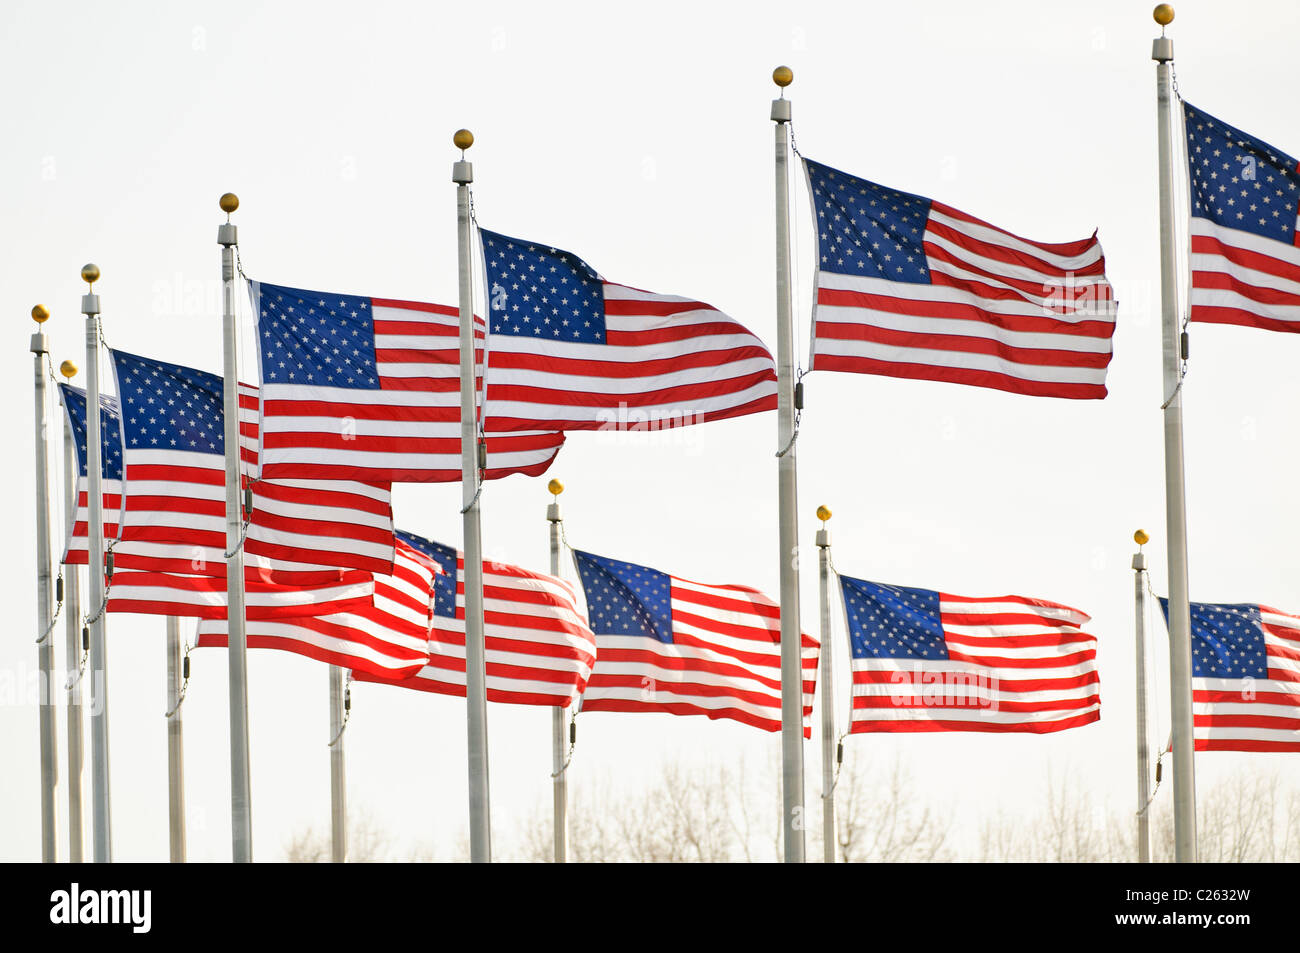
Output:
(961, 359)
(914, 291)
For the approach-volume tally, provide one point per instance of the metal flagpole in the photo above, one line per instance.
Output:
(472, 462)
(559, 773)
(73, 649)
(1174, 352)
(338, 785)
(176, 665)
(101, 801)
(788, 520)
(241, 798)
(829, 740)
(1140, 673)
(45, 602)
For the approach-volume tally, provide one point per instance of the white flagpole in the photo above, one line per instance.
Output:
(241, 797)
(45, 602)
(788, 521)
(1180, 624)
(72, 650)
(176, 665)
(1140, 674)
(338, 783)
(98, 663)
(560, 790)
(829, 740)
(480, 823)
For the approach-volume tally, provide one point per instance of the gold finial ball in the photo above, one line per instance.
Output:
(463, 139)
(823, 513)
(1141, 537)
(68, 370)
(228, 202)
(783, 76)
(1163, 14)
(555, 487)
(90, 274)
(40, 314)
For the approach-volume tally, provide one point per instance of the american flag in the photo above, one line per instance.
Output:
(74, 407)
(389, 638)
(1245, 677)
(174, 451)
(665, 644)
(1245, 259)
(568, 350)
(369, 388)
(909, 287)
(539, 648)
(931, 661)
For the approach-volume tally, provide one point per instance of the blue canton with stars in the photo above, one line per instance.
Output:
(169, 407)
(1239, 181)
(1227, 640)
(110, 455)
(892, 622)
(444, 584)
(626, 599)
(866, 229)
(315, 339)
(541, 292)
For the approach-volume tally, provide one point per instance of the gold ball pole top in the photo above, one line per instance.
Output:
(40, 314)
(1163, 14)
(1141, 537)
(90, 273)
(783, 76)
(463, 139)
(555, 487)
(68, 370)
(228, 202)
(823, 513)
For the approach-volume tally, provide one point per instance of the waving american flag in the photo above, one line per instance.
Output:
(666, 644)
(568, 350)
(1245, 677)
(1245, 247)
(931, 661)
(909, 287)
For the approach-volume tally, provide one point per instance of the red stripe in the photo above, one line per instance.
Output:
(681, 395)
(1213, 314)
(1038, 728)
(620, 370)
(966, 344)
(1245, 744)
(956, 311)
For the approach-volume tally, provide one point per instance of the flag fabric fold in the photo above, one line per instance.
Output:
(365, 388)
(930, 661)
(1245, 254)
(387, 638)
(539, 648)
(1245, 677)
(666, 644)
(568, 350)
(909, 287)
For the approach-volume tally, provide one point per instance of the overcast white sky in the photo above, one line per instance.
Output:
(638, 136)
